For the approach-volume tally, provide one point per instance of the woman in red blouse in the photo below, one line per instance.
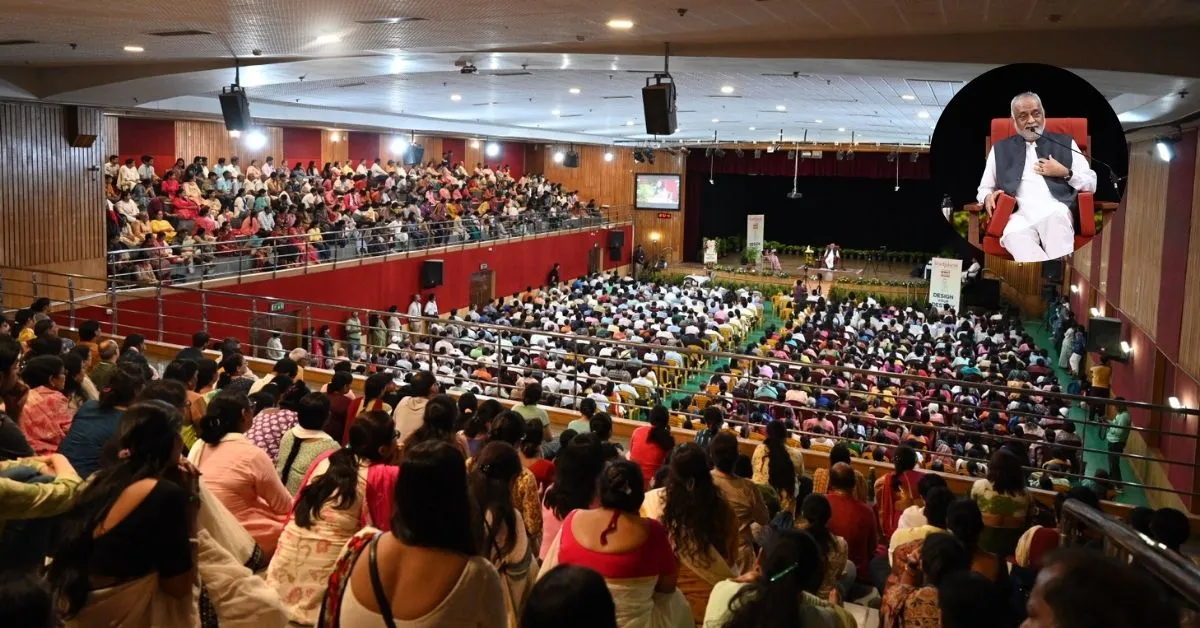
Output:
(46, 416)
(650, 444)
(632, 553)
(531, 455)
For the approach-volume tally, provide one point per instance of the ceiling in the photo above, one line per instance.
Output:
(816, 59)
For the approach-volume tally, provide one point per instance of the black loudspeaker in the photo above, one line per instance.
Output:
(984, 293)
(1049, 292)
(614, 253)
(658, 101)
(431, 273)
(235, 108)
(571, 160)
(1052, 271)
(616, 239)
(1104, 336)
(414, 155)
(80, 128)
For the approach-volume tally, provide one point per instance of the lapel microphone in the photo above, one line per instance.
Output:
(1112, 174)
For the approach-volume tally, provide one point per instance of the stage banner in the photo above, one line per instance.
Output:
(710, 251)
(754, 233)
(945, 282)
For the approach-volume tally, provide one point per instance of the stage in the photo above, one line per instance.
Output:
(793, 265)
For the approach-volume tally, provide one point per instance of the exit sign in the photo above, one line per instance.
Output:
(664, 215)
(277, 306)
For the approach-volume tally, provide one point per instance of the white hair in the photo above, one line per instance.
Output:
(1012, 106)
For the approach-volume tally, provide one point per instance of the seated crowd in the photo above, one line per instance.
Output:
(264, 492)
(193, 214)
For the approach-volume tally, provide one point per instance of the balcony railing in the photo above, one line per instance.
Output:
(210, 259)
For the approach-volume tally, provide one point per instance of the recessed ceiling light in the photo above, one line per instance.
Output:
(818, 121)
(327, 39)
(455, 97)
(134, 49)
(574, 90)
(780, 108)
(922, 114)
(555, 112)
(841, 129)
(715, 120)
(752, 128)
(908, 97)
(726, 89)
(629, 123)
(620, 24)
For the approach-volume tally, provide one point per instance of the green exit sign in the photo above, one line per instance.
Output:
(277, 306)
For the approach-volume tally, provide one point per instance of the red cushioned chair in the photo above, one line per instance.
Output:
(993, 226)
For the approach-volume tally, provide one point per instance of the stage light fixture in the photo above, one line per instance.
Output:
(398, 145)
(558, 157)
(850, 154)
(913, 157)
(492, 150)
(841, 154)
(758, 153)
(1126, 348)
(255, 140)
(1165, 148)
(740, 153)
(649, 156)
(638, 157)
(708, 152)
(1174, 403)
(719, 153)
(891, 156)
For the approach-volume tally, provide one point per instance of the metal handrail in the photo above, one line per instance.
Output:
(1180, 575)
(166, 262)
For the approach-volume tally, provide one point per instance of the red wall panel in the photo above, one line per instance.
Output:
(517, 266)
(512, 154)
(1181, 449)
(1116, 252)
(363, 145)
(303, 145)
(1176, 233)
(148, 136)
(458, 146)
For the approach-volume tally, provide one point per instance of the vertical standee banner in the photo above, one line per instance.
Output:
(754, 234)
(945, 282)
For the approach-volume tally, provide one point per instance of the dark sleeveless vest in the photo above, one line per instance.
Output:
(1010, 163)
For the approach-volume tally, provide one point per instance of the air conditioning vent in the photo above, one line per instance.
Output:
(358, 84)
(614, 97)
(16, 42)
(183, 33)
(390, 20)
(511, 73)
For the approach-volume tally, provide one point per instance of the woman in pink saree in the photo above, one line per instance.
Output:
(897, 490)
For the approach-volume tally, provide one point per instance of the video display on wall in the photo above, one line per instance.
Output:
(656, 191)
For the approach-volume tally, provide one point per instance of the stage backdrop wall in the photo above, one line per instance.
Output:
(856, 213)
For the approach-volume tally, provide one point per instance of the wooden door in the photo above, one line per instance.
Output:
(595, 260)
(286, 323)
(483, 287)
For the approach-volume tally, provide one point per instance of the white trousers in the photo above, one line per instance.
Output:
(1046, 233)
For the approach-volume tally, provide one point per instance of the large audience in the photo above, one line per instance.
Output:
(200, 494)
(189, 216)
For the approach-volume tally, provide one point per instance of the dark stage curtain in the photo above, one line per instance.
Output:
(864, 165)
(857, 213)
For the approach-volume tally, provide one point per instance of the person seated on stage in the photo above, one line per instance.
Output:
(832, 257)
(1045, 172)
(971, 273)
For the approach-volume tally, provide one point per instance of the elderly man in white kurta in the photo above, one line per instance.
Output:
(1030, 167)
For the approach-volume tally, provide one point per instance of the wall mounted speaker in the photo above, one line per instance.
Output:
(571, 159)
(1104, 336)
(658, 103)
(431, 273)
(1052, 271)
(80, 127)
(235, 108)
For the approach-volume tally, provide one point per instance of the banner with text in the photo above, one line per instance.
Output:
(945, 282)
(754, 233)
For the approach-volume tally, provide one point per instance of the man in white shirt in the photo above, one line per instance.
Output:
(112, 166)
(127, 175)
(275, 347)
(431, 307)
(146, 171)
(268, 167)
(1030, 167)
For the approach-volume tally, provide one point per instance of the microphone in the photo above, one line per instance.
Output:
(1112, 174)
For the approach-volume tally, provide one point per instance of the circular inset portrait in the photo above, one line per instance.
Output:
(1031, 160)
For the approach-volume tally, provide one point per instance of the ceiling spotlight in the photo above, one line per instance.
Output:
(256, 140)
(758, 153)
(555, 112)
(780, 108)
(608, 155)
(913, 157)
(134, 49)
(629, 123)
(772, 148)
(1174, 403)
(726, 89)
(841, 154)
(620, 24)
(818, 121)
(558, 157)
(841, 129)
(327, 39)
(492, 150)
(850, 154)
(574, 90)
(715, 120)
(1165, 148)
(891, 156)
(234, 133)
(752, 128)
(398, 145)
(908, 97)
(456, 97)
(924, 115)
(637, 155)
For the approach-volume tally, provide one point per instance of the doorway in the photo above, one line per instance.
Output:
(483, 287)
(286, 323)
(595, 259)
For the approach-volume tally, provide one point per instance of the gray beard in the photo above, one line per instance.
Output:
(1031, 136)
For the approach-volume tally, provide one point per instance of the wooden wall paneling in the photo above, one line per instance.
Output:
(110, 136)
(1189, 339)
(55, 214)
(1105, 253)
(433, 148)
(334, 146)
(1081, 259)
(204, 138)
(1022, 283)
(1145, 202)
(19, 290)
(474, 154)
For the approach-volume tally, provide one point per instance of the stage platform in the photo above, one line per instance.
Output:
(792, 266)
